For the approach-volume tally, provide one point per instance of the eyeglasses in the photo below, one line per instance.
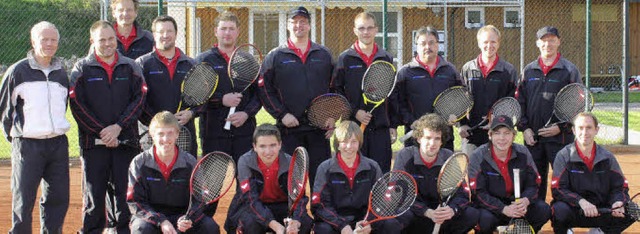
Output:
(367, 29)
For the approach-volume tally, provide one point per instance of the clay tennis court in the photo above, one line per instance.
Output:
(629, 157)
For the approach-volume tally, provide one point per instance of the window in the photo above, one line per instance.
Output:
(512, 18)
(394, 37)
(474, 17)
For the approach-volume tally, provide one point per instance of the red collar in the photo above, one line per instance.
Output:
(164, 168)
(484, 69)
(432, 71)
(349, 171)
(108, 67)
(224, 55)
(589, 160)
(126, 41)
(367, 59)
(545, 68)
(170, 64)
(303, 56)
(504, 169)
(428, 164)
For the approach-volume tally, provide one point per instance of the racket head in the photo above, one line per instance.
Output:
(519, 226)
(146, 142)
(452, 173)
(392, 195)
(212, 177)
(378, 81)
(327, 107)
(184, 139)
(297, 176)
(455, 101)
(244, 66)
(507, 106)
(632, 208)
(571, 100)
(198, 85)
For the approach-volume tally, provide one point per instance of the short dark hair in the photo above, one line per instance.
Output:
(432, 122)
(164, 18)
(100, 24)
(426, 31)
(586, 115)
(136, 3)
(227, 16)
(266, 130)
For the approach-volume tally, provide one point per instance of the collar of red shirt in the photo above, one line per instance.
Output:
(483, 68)
(503, 166)
(224, 55)
(303, 56)
(367, 59)
(170, 64)
(428, 164)
(164, 168)
(349, 171)
(106, 66)
(585, 159)
(432, 71)
(545, 68)
(126, 41)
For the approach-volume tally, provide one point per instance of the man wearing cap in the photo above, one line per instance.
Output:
(489, 78)
(541, 81)
(292, 75)
(492, 185)
(587, 177)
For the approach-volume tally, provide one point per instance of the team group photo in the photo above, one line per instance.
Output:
(343, 117)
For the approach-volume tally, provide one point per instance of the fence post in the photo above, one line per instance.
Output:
(384, 25)
(159, 7)
(623, 72)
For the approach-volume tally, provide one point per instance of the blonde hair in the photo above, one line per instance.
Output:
(115, 2)
(227, 16)
(489, 28)
(344, 131)
(365, 15)
(164, 119)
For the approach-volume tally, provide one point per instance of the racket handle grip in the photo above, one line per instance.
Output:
(227, 125)
(600, 211)
(406, 136)
(436, 228)
(363, 127)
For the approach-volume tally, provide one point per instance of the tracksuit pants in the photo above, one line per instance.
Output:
(543, 154)
(377, 146)
(247, 221)
(43, 162)
(206, 225)
(565, 217)
(538, 213)
(462, 222)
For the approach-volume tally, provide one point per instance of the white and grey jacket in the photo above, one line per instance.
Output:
(33, 100)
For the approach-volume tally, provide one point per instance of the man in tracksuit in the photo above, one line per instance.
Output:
(488, 78)
(352, 64)
(292, 75)
(237, 140)
(260, 203)
(342, 186)
(541, 81)
(133, 40)
(164, 69)
(33, 100)
(158, 193)
(421, 80)
(491, 175)
(586, 177)
(106, 96)
(423, 162)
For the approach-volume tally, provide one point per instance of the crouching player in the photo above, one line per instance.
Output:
(260, 203)
(158, 194)
(424, 161)
(342, 186)
(491, 175)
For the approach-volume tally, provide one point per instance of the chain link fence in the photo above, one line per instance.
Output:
(263, 23)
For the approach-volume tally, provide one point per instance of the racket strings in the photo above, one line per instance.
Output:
(571, 100)
(244, 69)
(214, 174)
(456, 101)
(393, 194)
(633, 210)
(452, 175)
(328, 106)
(298, 173)
(378, 81)
(184, 139)
(507, 107)
(198, 85)
(518, 226)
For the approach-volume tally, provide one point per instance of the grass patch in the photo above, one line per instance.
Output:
(615, 96)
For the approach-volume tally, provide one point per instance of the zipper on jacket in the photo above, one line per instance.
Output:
(53, 127)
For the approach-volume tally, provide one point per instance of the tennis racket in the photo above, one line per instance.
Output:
(377, 84)
(211, 179)
(518, 225)
(569, 102)
(452, 173)
(297, 179)
(184, 139)
(631, 208)
(391, 196)
(327, 109)
(198, 85)
(507, 106)
(244, 67)
(452, 105)
(130, 143)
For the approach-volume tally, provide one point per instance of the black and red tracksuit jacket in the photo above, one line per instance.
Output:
(602, 185)
(500, 82)
(214, 116)
(97, 102)
(337, 203)
(347, 80)
(408, 160)
(537, 92)
(141, 45)
(287, 85)
(488, 184)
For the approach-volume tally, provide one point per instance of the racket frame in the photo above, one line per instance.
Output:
(370, 209)
(232, 109)
(223, 191)
(187, 77)
(364, 96)
(292, 203)
(436, 227)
